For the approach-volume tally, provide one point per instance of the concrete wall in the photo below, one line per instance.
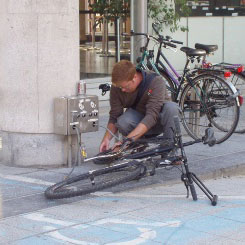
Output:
(227, 32)
(39, 61)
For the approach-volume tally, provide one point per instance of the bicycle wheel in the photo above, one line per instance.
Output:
(171, 86)
(137, 150)
(209, 102)
(95, 180)
(238, 80)
(108, 157)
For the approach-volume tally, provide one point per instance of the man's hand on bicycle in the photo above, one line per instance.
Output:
(104, 146)
(122, 144)
(117, 146)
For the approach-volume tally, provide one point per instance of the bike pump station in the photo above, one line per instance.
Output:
(74, 115)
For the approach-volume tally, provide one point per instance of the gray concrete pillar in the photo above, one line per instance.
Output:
(39, 61)
(138, 16)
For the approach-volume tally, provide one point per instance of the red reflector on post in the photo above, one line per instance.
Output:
(240, 98)
(240, 69)
(227, 74)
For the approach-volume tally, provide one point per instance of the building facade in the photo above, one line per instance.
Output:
(39, 50)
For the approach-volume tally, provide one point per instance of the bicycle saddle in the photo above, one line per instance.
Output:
(207, 48)
(209, 137)
(193, 52)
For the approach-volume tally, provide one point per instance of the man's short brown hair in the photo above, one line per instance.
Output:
(122, 71)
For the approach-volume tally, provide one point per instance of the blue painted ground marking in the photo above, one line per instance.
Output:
(106, 198)
(233, 213)
(21, 184)
(123, 230)
(38, 240)
(92, 234)
(213, 225)
(180, 235)
(97, 232)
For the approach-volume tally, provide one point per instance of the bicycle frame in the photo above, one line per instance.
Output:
(158, 61)
(179, 80)
(187, 177)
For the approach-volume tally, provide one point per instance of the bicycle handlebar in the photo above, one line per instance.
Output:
(168, 38)
(170, 44)
(125, 34)
(132, 33)
(138, 33)
(168, 41)
(159, 39)
(178, 42)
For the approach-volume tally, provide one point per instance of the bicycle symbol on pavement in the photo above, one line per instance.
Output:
(66, 231)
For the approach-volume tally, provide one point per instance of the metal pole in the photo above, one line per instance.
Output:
(93, 33)
(106, 37)
(138, 24)
(132, 28)
(107, 52)
(118, 40)
(103, 49)
(103, 35)
(69, 146)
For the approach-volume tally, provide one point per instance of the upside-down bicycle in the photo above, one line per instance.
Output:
(133, 161)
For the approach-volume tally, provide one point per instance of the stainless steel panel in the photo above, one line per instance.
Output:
(81, 110)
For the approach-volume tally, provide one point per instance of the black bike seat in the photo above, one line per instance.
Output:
(207, 48)
(193, 52)
(209, 137)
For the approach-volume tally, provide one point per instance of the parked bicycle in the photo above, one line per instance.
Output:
(133, 161)
(237, 77)
(206, 99)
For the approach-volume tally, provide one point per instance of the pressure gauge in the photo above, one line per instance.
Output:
(81, 105)
(92, 104)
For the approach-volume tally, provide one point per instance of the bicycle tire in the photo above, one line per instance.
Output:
(171, 86)
(102, 178)
(238, 80)
(139, 149)
(106, 157)
(207, 103)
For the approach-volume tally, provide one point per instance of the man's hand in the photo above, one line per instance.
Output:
(116, 146)
(140, 130)
(104, 146)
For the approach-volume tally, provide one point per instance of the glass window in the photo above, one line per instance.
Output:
(217, 8)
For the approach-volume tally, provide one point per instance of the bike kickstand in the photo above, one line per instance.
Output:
(213, 198)
(185, 180)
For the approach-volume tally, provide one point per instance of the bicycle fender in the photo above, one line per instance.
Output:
(234, 90)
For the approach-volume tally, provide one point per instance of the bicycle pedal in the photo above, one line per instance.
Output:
(178, 162)
(170, 163)
(164, 163)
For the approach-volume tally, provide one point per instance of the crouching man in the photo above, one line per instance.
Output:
(143, 94)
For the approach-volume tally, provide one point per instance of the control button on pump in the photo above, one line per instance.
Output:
(92, 104)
